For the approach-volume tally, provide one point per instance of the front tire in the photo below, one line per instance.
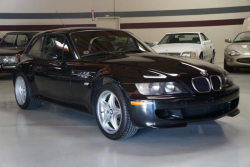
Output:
(227, 67)
(23, 94)
(201, 56)
(212, 60)
(112, 113)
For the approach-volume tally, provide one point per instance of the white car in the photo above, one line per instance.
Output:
(187, 44)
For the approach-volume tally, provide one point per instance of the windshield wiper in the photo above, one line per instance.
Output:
(242, 41)
(97, 53)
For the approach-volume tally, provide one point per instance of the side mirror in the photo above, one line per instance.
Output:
(155, 43)
(228, 41)
(51, 56)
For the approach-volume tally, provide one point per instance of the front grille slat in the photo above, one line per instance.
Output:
(205, 85)
(201, 84)
(216, 82)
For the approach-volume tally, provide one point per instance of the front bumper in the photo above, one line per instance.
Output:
(238, 61)
(178, 112)
(7, 68)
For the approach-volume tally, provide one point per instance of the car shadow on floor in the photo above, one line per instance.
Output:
(147, 142)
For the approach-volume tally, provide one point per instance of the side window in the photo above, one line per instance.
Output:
(203, 37)
(22, 40)
(58, 45)
(67, 54)
(54, 45)
(35, 49)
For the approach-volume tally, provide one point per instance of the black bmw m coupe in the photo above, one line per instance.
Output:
(121, 81)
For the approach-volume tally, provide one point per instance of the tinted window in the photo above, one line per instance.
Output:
(8, 41)
(58, 45)
(54, 45)
(22, 40)
(181, 38)
(90, 42)
(67, 54)
(36, 48)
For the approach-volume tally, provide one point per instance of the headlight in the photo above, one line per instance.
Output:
(228, 80)
(189, 54)
(10, 60)
(160, 88)
(233, 53)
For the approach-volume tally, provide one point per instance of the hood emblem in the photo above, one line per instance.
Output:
(203, 73)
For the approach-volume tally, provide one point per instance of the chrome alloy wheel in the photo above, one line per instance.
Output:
(20, 90)
(109, 112)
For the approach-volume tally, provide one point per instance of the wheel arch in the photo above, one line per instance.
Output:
(97, 84)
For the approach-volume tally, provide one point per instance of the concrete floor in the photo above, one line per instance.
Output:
(52, 136)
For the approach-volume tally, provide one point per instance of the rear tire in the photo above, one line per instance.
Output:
(227, 67)
(23, 94)
(112, 113)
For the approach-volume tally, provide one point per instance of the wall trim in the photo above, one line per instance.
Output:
(203, 23)
(79, 15)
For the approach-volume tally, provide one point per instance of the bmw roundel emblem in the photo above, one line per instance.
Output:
(204, 73)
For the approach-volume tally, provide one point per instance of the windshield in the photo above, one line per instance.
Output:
(93, 42)
(181, 38)
(243, 37)
(8, 41)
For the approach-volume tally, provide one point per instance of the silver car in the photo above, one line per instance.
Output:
(237, 54)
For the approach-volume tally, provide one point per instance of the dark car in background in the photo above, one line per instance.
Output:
(12, 46)
(121, 81)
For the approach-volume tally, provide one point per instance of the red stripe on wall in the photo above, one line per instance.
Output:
(204, 23)
(39, 27)
(182, 24)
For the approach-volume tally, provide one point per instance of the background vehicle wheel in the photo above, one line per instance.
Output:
(24, 98)
(201, 56)
(227, 67)
(212, 60)
(112, 113)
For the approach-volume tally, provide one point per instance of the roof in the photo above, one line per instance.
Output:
(21, 32)
(71, 30)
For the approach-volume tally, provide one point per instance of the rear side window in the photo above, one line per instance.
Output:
(8, 41)
(36, 48)
(22, 40)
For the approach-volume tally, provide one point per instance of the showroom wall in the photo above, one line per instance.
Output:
(147, 19)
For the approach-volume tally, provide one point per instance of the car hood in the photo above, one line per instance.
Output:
(243, 48)
(167, 65)
(180, 47)
(10, 51)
